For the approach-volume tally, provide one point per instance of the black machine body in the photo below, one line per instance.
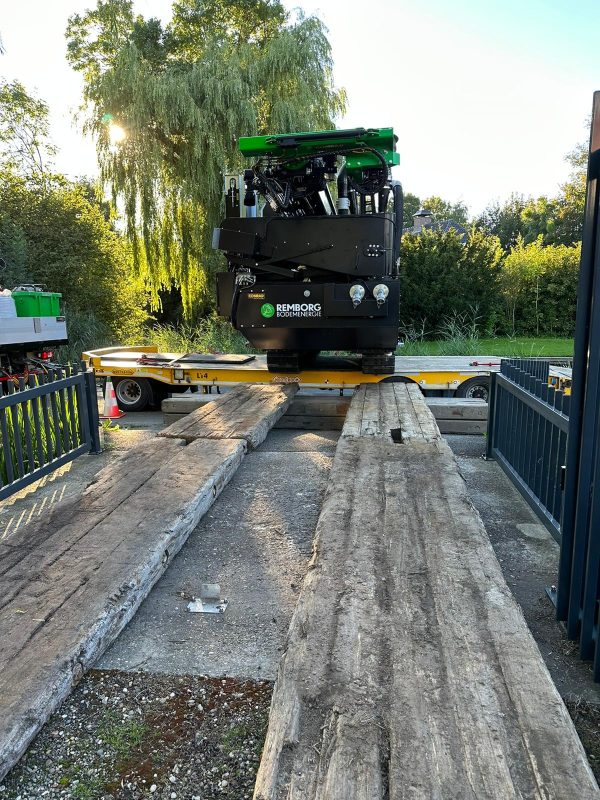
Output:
(306, 274)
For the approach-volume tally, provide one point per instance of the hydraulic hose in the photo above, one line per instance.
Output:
(399, 219)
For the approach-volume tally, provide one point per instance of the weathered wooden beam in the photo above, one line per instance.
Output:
(72, 579)
(470, 427)
(380, 409)
(246, 412)
(328, 411)
(71, 582)
(457, 408)
(409, 670)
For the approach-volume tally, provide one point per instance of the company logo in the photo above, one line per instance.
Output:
(267, 310)
(298, 309)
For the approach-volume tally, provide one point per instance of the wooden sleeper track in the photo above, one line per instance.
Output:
(409, 671)
(72, 579)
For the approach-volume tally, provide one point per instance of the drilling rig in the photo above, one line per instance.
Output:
(312, 239)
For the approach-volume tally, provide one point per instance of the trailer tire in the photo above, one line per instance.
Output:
(160, 391)
(475, 388)
(133, 394)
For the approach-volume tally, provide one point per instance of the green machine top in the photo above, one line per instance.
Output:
(354, 144)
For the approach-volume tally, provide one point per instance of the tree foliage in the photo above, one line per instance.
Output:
(539, 287)
(504, 220)
(558, 220)
(441, 210)
(441, 276)
(532, 290)
(184, 94)
(25, 145)
(59, 238)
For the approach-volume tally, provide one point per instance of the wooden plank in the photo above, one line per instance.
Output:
(468, 427)
(71, 593)
(246, 412)
(171, 417)
(130, 470)
(457, 408)
(186, 403)
(323, 404)
(409, 670)
(379, 408)
(307, 422)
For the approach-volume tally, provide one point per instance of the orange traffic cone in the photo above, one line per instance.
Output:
(111, 408)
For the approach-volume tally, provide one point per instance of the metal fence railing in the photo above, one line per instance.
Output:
(528, 422)
(45, 422)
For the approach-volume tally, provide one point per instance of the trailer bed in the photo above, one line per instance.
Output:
(429, 372)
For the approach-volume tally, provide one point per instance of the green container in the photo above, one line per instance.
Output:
(37, 304)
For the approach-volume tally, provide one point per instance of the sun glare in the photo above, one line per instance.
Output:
(116, 133)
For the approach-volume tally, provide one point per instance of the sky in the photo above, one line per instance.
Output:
(486, 96)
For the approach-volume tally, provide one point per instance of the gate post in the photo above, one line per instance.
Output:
(491, 425)
(91, 400)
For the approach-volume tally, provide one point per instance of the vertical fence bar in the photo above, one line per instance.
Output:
(65, 429)
(16, 438)
(58, 449)
(92, 412)
(7, 447)
(25, 416)
(37, 428)
(72, 409)
(45, 404)
(491, 426)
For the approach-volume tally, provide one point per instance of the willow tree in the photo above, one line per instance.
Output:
(182, 95)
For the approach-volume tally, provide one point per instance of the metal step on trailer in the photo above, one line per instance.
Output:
(327, 411)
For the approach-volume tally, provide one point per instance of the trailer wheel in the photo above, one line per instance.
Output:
(133, 394)
(475, 388)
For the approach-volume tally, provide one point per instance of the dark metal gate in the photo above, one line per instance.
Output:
(528, 422)
(578, 597)
(45, 423)
(535, 430)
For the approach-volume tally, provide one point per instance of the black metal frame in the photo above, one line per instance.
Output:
(45, 423)
(578, 595)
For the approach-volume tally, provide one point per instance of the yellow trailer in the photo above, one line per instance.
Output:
(142, 376)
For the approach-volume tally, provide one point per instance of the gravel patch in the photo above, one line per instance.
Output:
(124, 736)
(586, 718)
